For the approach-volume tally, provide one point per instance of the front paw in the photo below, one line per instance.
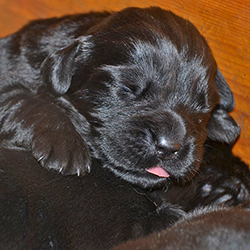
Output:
(64, 151)
(228, 190)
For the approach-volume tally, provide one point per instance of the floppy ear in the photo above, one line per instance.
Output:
(226, 95)
(57, 68)
(222, 127)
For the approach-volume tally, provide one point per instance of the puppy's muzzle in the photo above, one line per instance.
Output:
(167, 130)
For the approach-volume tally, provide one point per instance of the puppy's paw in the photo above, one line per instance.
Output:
(230, 191)
(63, 151)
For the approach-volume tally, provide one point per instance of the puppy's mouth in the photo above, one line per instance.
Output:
(159, 171)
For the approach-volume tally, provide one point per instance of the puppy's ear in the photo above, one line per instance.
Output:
(222, 127)
(226, 95)
(57, 68)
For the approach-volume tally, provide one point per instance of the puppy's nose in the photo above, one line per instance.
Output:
(166, 147)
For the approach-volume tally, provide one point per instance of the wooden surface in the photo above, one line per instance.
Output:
(225, 24)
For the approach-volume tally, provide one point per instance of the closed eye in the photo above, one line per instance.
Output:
(132, 88)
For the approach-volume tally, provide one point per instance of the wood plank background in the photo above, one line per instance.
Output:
(224, 23)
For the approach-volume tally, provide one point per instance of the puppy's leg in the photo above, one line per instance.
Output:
(48, 126)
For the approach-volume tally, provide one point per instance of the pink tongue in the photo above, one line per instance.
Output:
(158, 171)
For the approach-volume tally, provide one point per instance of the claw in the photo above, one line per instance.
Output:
(40, 158)
(78, 172)
(88, 168)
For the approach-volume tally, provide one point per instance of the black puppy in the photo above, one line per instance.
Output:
(44, 210)
(138, 89)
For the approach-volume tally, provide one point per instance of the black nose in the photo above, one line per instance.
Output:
(166, 148)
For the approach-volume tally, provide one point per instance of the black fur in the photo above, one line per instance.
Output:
(43, 210)
(125, 92)
(208, 228)
(135, 89)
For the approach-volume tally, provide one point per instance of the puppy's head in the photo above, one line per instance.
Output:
(148, 84)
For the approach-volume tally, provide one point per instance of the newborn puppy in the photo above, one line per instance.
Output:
(138, 89)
